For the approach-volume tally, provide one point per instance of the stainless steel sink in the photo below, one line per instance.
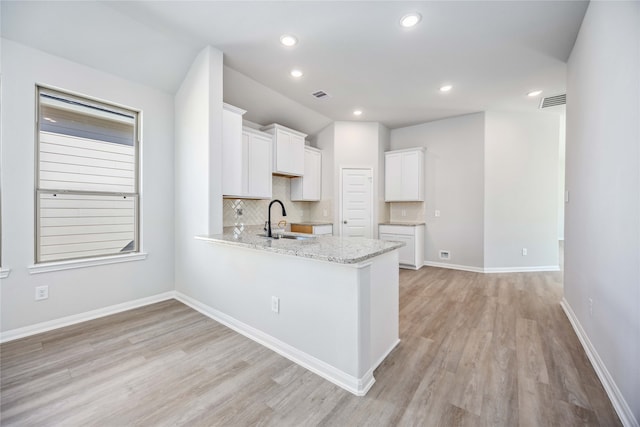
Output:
(289, 236)
(286, 236)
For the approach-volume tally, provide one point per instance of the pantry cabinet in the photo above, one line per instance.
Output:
(404, 175)
(288, 150)
(309, 186)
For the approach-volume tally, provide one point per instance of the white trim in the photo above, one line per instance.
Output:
(86, 262)
(410, 266)
(493, 269)
(357, 386)
(4, 273)
(454, 266)
(38, 328)
(617, 399)
(533, 269)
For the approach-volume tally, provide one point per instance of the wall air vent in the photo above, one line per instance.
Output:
(320, 94)
(552, 101)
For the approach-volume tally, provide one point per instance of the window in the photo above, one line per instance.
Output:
(87, 201)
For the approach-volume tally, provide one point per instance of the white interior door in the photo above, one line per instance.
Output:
(357, 203)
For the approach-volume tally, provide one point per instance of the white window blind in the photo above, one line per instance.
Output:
(87, 186)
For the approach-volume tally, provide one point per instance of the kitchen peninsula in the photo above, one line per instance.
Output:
(328, 303)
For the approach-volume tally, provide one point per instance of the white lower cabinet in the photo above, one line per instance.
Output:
(320, 229)
(411, 255)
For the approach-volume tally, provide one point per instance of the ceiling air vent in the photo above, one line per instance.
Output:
(553, 101)
(320, 94)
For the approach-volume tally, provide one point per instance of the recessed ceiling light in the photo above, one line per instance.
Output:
(446, 88)
(411, 19)
(296, 73)
(534, 93)
(357, 112)
(288, 40)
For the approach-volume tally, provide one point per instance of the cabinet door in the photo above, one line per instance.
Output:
(232, 153)
(411, 176)
(296, 147)
(393, 177)
(312, 175)
(259, 167)
(289, 153)
(406, 254)
(244, 167)
(282, 156)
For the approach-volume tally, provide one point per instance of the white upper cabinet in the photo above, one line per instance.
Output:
(246, 155)
(308, 187)
(404, 175)
(288, 150)
(258, 163)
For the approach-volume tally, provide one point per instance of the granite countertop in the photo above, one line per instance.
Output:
(348, 250)
(406, 224)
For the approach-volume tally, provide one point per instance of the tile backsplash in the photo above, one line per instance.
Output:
(237, 212)
(414, 212)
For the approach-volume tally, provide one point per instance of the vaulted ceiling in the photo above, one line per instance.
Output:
(492, 53)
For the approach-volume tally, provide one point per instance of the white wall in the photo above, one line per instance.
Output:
(198, 165)
(77, 291)
(602, 226)
(359, 145)
(384, 145)
(520, 189)
(454, 183)
(562, 146)
(324, 210)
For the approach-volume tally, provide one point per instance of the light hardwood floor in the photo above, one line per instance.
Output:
(476, 350)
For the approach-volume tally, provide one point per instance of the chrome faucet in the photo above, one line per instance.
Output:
(284, 213)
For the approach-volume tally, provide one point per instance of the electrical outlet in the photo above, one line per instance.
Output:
(42, 292)
(437, 213)
(445, 255)
(566, 196)
(590, 306)
(404, 212)
(524, 252)
(275, 304)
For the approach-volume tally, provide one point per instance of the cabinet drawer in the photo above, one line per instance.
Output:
(312, 229)
(397, 229)
(323, 229)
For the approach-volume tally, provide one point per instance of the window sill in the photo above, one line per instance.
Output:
(82, 263)
(4, 273)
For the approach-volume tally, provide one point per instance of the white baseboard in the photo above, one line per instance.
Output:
(454, 266)
(357, 386)
(493, 269)
(619, 403)
(38, 328)
(534, 269)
